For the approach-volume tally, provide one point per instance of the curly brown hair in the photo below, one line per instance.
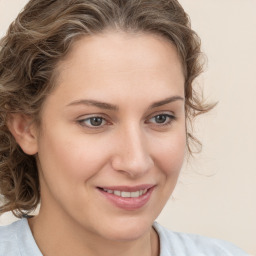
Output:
(40, 37)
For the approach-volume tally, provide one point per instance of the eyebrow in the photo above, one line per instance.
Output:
(108, 106)
(98, 104)
(165, 101)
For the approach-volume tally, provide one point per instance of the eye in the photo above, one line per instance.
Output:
(162, 119)
(95, 121)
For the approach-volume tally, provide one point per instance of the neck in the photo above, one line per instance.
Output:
(57, 236)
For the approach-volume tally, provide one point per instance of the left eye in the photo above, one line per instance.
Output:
(95, 121)
(162, 119)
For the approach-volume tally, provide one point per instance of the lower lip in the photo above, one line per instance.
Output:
(128, 203)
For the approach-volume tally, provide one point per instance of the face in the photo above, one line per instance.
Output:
(112, 139)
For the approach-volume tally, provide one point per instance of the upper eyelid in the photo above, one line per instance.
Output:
(88, 116)
(171, 117)
(164, 114)
(170, 113)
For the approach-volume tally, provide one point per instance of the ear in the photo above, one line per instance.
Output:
(24, 132)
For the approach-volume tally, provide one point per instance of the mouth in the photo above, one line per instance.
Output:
(126, 194)
(128, 198)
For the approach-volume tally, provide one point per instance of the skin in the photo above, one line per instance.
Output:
(130, 146)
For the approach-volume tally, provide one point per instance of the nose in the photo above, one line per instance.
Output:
(132, 155)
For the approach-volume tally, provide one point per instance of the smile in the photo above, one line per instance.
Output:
(127, 198)
(126, 194)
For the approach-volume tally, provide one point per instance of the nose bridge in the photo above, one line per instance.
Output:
(133, 155)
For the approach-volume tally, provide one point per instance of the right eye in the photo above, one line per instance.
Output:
(93, 122)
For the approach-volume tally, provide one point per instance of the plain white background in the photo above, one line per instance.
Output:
(216, 193)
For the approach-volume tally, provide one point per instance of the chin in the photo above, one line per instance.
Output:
(128, 230)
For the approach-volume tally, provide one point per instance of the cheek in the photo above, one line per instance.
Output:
(67, 159)
(67, 168)
(169, 154)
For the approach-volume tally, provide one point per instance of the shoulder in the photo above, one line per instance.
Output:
(16, 239)
(8, 239)
(182, 244)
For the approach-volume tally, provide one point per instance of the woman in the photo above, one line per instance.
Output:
(95, 100)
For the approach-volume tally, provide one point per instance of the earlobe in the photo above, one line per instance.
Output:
(24, 132)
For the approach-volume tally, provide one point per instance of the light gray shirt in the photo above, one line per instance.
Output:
(16, 239)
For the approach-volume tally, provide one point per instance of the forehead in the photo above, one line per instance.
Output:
(108, 50)
(118, 60)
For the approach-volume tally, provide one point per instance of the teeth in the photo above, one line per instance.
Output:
(117, 193)
(135, 194)
(125, 193)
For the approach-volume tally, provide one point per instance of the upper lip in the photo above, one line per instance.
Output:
(129, 188)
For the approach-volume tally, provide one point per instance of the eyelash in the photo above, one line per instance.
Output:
(168, 117)
(82, 122)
